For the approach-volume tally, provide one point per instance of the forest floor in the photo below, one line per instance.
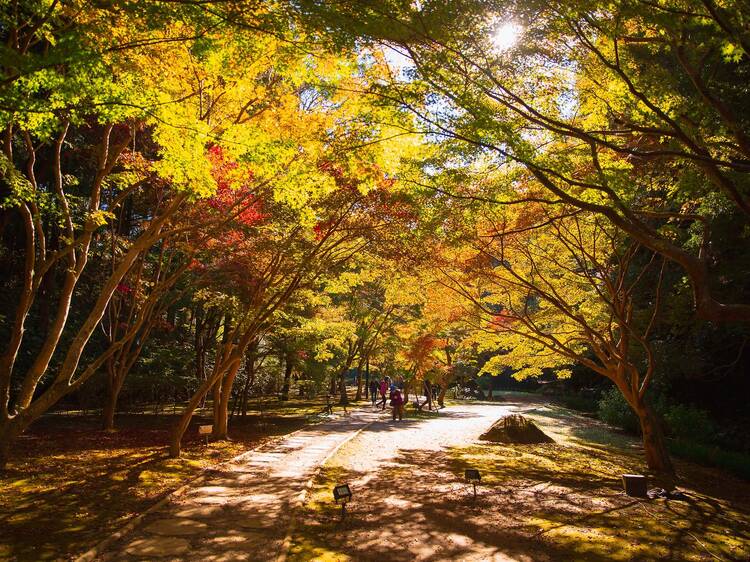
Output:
(72, 484)
(555, 501)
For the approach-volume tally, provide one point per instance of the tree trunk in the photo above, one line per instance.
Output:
(332, 387)
(344, 398)
(221, 420)
(428, 393)
(9, 431)
(110, 404)
(358, 395)
(441, 396)
(367, 378)
(179, 430)
(288, 366)
(654, 444)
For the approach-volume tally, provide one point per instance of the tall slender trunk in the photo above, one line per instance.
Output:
(288, 367)
(221, 418)
(367, 378)
(428, 393)
(249, 380)
(343, 397)
(114, 386)
(358, 395)
(223, 364)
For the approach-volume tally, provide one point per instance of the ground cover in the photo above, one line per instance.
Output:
(72, 484)
(555, 501)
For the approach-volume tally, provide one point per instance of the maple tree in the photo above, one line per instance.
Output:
(574, 291)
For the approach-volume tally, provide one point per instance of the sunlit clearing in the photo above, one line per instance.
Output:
(506, 36)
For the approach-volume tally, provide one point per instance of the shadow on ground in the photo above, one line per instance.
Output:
(548, 502)
(71, 484)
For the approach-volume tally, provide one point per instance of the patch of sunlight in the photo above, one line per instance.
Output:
(119, 476)
(23, 484)
(610, 543)
(305, 550)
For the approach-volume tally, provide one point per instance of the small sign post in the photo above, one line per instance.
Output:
(205, 430)
(472, 475)
(342, 494)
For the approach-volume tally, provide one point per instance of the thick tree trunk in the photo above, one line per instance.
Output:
(7, 437)
(654, 444)
(441, 396)
(179, 430)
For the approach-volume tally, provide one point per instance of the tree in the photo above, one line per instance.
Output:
(566, 293)
(633, 111)
(97, 125)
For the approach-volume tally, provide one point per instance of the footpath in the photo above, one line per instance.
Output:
(244, 510)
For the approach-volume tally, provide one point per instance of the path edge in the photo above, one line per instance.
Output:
(287, 542)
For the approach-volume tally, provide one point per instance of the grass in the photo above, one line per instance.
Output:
(556, 501)
(71, 484)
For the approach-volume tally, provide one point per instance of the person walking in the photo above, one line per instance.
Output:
(383, 390)
(374, 387)
(397, 403)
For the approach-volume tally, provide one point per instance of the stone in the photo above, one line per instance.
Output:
(157, 547)
(176, 527)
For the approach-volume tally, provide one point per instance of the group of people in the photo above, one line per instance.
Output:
(391, 391)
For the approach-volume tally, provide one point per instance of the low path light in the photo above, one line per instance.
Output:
(636, 485)
(472, 476)
(342, 494)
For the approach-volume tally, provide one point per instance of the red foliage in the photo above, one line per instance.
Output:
(234, 189)
(123, 289)
(501, 321)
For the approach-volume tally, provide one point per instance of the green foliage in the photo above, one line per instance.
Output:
(689, 423)
(614, 410)
(708, 455)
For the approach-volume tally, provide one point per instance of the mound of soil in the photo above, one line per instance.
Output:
(515, 429)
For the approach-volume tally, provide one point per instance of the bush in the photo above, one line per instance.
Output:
(580, 402)
(731, 461)
(690, 424)
(614, 410)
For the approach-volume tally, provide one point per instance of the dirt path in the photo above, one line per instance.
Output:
(383, 465)
(547, 502)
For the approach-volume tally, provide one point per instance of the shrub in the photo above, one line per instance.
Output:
(580, 402)
(614, 410)
(689, 423)
(731, 461)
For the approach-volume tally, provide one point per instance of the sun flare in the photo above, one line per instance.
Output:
(506, 36)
